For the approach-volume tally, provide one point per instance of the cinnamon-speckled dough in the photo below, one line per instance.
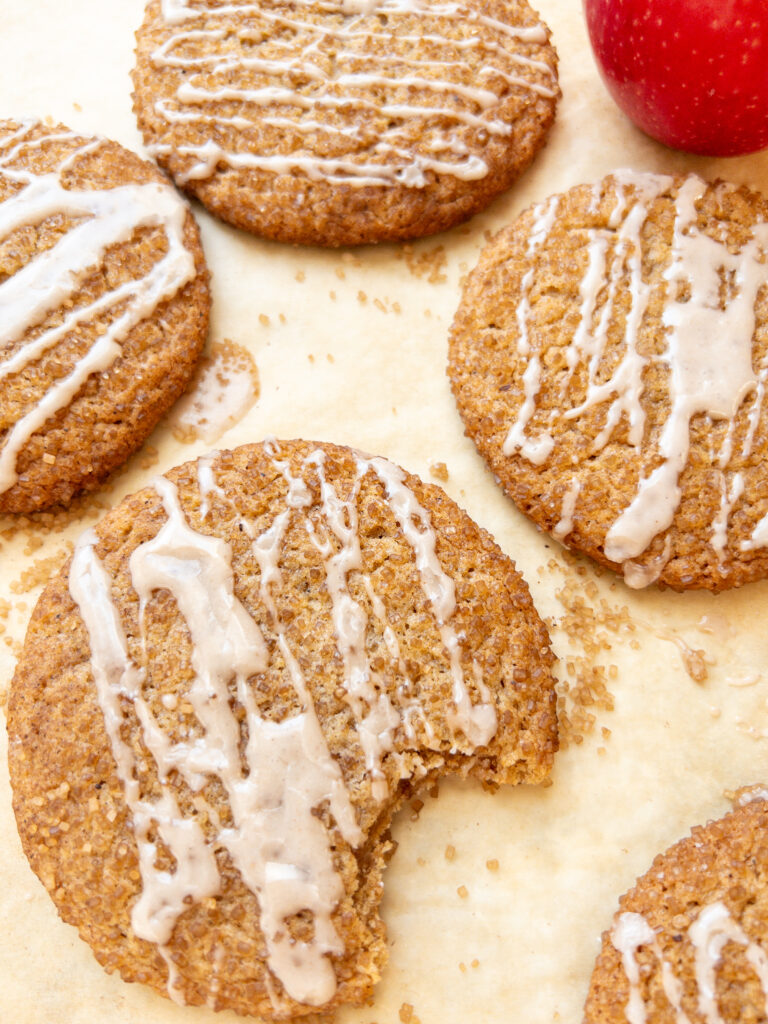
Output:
(720, 873)
(70, 804)
(116, 407)
(344, 123)
(566, 362)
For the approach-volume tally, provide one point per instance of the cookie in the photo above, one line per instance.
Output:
(344, 122)
(105, 304)
(609, 359)
(225, 695)
(690, 942)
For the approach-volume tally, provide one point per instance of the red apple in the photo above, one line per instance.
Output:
(691, 73)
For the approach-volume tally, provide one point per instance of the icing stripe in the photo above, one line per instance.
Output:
(709, 321)
(708, 934)
(352, 82)
(275, 773)
(50, 281)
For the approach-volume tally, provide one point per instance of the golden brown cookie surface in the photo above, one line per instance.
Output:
(689, 943)
(265, 652)
(105, 309)
(345, 122)
(609, 361)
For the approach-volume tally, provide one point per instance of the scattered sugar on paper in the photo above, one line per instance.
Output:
(31, 526)
(586, 629)
(407, 1016)
(429, 264)
(148, 457)
(40, 571)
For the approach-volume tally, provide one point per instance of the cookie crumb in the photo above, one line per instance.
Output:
(439, 471)
(149, 457)
(430, 264)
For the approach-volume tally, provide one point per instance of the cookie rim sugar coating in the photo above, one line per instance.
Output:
(609, 361)
(347, 633)
(103, 320)
(318, 124)
(690, 940)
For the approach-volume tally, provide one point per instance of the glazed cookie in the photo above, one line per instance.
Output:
(105, 305)
(227, 693)
(344, 122)
(689, 943)
(609, 358)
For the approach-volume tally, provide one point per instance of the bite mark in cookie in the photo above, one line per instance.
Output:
(267, 650)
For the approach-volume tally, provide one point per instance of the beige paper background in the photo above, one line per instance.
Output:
(333, 367)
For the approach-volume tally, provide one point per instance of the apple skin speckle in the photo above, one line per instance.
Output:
(703, 89)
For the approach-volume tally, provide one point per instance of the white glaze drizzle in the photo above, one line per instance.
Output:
(376, 717)
(629, 933)
(536, 450)
(409, 706)
(708, 934)
(354, 84)
(565, 523)
(164, 894)
(638, 575)
(703, 376)
(103, 218)
(206, 482)
(279, 846)
(730, 492)
(477, 722)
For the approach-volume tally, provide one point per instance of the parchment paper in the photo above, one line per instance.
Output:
(351, 347)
